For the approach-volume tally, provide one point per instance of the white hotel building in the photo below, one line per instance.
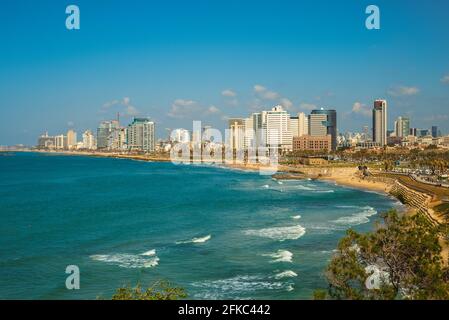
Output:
(277, 128)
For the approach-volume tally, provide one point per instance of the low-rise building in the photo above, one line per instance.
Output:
(312, 143)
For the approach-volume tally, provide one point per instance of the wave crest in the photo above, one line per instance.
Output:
(278, 233)
(196, 240)
(286, 274)
(125, 260)
(357, 218)
(280, 256)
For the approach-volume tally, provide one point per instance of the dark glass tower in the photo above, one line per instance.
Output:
(330, 124)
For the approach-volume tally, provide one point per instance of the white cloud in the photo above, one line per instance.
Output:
(264, 93)
(231, 97)
(403, 91)
(286, 103)
(125, 104)
(229, 93)
(182, 108)
(362, 109)
(445, 79)
(259, 88)
(212, 110)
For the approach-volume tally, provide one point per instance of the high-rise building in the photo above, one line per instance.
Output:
(434, 131)
(89, 140)
(249, 132)
(322, 123)
(402, 127)
(277, 129)
(237, 133)
(317, 125)
(413, 132)
(303, 121)
(118, 139)
(71, 139)
(424, 133)
(294, 126)
(104, 132)
(60, 142)
(259, 137)
(380, 122)
(46, 141)
(299, 125)
(141, 135)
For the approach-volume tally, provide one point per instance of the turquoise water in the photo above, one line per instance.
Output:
(219, 233)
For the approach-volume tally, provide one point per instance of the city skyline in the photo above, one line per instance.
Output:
(276, 129)
(236, 58)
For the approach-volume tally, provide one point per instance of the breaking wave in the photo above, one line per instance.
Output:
(196, 240)
(357, 218)
(280, 256)
(131, 261)
(149, 253)
(242, 285)
(286, 274)
(278, 233)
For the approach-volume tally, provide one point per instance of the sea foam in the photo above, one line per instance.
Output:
(278, 233)
(286, 274)
(196, 240)
(241, 285)
(357, 218)
(125, 260)
(280, 256)
(149, 253)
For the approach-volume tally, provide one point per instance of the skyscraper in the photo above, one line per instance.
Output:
(104, 132)
(141, 135)
(276, 124)
(380, 122)
(249, 132)
(71, 139)
(402, 127)
(299, 125)
(258, 138)
(88, 140)
(237, 133)
(324, 122)
(294, 126)
(434, 131)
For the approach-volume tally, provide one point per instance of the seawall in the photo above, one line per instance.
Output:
(418, 200)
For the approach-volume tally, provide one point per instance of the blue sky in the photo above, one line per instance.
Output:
(178, 61)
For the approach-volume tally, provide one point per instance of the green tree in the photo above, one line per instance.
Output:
(405, 249)
(160, 290)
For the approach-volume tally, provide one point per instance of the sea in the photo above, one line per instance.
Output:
(217, 232)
